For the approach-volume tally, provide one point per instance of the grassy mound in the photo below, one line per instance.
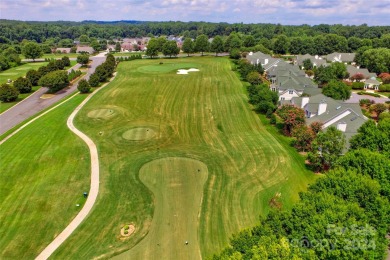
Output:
(101, 113)
(139, 134)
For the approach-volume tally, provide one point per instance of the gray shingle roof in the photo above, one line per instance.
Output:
(340, 57)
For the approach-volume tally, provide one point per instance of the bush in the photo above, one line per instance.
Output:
(384, 88)
(23, 85)
(235, 54)
(33, 76)
(272, 119)
(94, 80)
(8, 93)
(368, 93)
(73, 74)
(84, 86)
(364, 101)
(66, 61)
(357, 85)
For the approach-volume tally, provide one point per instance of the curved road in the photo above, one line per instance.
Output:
(94, 190)
(35, 104)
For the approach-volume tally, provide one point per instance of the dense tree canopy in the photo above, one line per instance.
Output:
(337, 90)
(55, 80)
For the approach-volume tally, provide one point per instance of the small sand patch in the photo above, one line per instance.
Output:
(127, 230)
(139, 134)
(47, 96)
(101, 113)
(185, 71)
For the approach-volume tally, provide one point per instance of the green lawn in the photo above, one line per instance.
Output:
(44, 172)
(17, 72)
(202, 121)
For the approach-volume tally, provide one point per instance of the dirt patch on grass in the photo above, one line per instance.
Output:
(101, 113)
(139, 134)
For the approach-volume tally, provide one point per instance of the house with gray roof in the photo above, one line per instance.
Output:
(371, 84)
(340, 57)
(316, 60)
(264, 59)
(289, 81)
(352, 70)
(63, 50)
(85, 49)
(320, 108)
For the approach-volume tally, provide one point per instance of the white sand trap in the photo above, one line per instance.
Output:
(184, 71)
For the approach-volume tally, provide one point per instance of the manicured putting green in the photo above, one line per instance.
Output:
(166, 67)
(177, 185)
(139, 134)
(101, 113)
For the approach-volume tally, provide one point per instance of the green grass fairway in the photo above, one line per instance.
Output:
(202, 116)
(44, 169)
(167, 66)
(19, 71)
(177, 184)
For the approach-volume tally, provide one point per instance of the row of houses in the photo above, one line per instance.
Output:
(80, 49)
(295, 87)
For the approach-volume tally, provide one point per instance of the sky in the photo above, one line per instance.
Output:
(286, 12)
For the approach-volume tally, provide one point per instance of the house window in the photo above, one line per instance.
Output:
(281, 98)
(273, 89)
(290, 92)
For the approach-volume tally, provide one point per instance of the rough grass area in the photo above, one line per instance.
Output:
(44, 172)
(203, 116)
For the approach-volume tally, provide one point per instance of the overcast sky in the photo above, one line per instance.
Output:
(295, 12)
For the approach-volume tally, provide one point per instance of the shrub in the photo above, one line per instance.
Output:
(272, 119)
(357, 85)
(94, 80)
(23, 85)
(384, 88)
(8, 93)
(368, 93)
(364, 101)
(33, 76)
(84, 86)
(66, 61)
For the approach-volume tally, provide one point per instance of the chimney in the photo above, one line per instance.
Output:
(265, 61)
(342, 126)
(322, 108)
(250, 54)
(305, 101)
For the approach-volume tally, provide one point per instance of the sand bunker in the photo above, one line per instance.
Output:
(139, 134)
(127, 230)
(101, 113)
(185, 71)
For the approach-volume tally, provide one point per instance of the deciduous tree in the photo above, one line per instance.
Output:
(202, 44)
(32, 51)
(23, 85)
(188, 46)
(8, 93)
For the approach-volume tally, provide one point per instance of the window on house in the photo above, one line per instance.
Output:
(282, 98)
(290, 92)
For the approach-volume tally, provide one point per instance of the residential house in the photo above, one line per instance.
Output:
(289, 81)
(345, 117)
(62, 50)
(352, 70)
(85, 49)
(371, 84)
(340, 57)
(264, 59)
(316, 60)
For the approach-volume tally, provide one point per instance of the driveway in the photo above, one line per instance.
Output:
(34, 103)
(355, 98)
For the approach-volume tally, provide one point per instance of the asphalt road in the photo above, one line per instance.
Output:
(34, 103)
